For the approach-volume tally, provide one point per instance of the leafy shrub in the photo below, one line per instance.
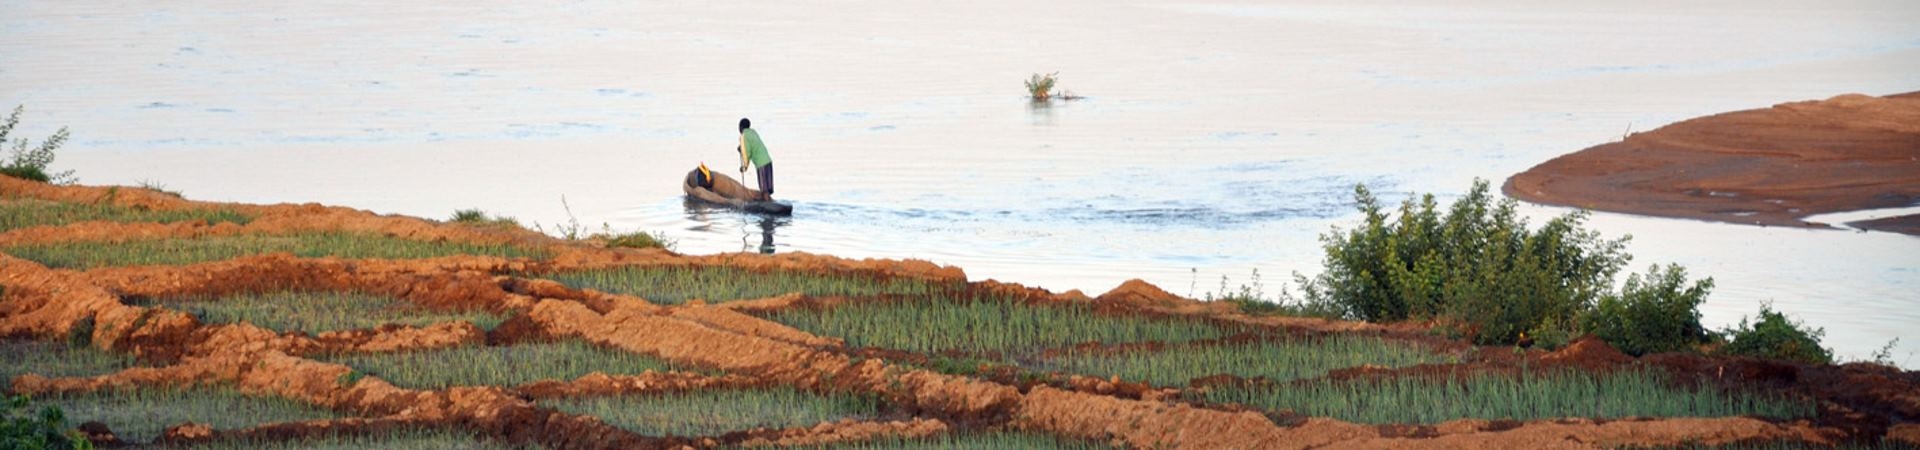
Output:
(1040, 87)
(47, 430)
(1652, 314)
(1776, 337)
(1478, 265)
(31, 163)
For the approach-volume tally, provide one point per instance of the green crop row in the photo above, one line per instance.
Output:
(406, 439)
(985, 325)
(1522, 397)
(56, 359)
(1883, 444)
(318, 312)
(23, 213)
(716, 412)
(971, 441)
(139, 415)
(88, 255)
(674, 285)
(499, 366)
(1276, 361)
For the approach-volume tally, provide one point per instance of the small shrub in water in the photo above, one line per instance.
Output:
(1652, 314)
(1776, 337)
(1040, 87)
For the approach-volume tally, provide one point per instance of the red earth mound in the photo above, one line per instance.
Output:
(1769, 166)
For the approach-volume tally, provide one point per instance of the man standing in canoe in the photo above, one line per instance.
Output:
(754, 151)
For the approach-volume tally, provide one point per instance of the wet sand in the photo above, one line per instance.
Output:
(1768, 167)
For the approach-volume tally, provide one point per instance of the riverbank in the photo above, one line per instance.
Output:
(1768, 167)
(116, 293)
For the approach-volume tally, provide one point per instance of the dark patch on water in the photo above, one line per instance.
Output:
(523, 131)
(157, 105)
(619, 92)
(1238, 136)
(1196, 216)
(162, 142)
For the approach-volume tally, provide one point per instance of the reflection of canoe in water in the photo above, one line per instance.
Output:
(730, 193)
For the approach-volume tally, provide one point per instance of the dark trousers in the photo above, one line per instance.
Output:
(766, 179)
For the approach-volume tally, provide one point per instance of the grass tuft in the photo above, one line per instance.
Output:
(88, 255)
(319, 312)
(500, 366)
(637, 240)
(712, 413)
(477, 217)
(675, 285)
(1525, 397)
(160, 187)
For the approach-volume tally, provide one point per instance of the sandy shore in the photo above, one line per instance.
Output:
(1772, 166)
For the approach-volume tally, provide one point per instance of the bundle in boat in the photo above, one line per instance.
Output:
(721, 190)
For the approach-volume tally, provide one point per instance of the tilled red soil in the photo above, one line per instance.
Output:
(1860, 403)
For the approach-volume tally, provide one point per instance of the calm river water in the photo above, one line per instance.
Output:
(1215, 139)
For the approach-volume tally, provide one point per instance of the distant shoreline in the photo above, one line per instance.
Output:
(1769, 167)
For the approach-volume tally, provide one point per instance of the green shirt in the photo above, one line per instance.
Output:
(753, 148)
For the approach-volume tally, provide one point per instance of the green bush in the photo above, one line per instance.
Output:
(47, 430)
(1776, 337)
(1652, 314)
(1478, 265)
(31, 163)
